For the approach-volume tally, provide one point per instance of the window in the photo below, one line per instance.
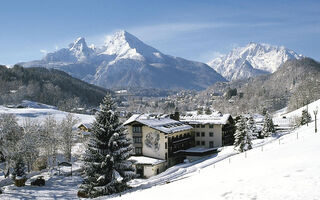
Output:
(138, 150)
(198, 142)
(211, 144)
(198, 126)
(198, 134)
(165, 145)
(211, 134)
(137, 139)
(203, 143)
(203, 126)
(136, 129)
(202, 134)
(210, 125)
(166, 156)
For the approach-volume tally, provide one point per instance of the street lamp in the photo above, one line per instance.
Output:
(315, 112)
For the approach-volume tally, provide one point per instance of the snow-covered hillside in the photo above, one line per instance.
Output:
(125, 61)
(280, 167)
(40, 114)
(288, 169)
(297, 113)
(252, 60)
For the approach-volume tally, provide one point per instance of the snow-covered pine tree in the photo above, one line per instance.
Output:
(268, 127)
(10, 134)
(305, 118)
(242, 136)
(19, 169)
(251, 126)
(106, 168)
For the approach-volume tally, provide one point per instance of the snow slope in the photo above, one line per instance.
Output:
(252, 60)
(297, 113)
(285, 167)
(289, 170)
(40, 114)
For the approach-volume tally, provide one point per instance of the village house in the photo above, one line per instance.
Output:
(162, 141)
(84, 129)
(211, 130)
(155, 138)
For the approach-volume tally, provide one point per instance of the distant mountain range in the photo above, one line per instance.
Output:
(125, 61)
(294, 84)
(252, 60)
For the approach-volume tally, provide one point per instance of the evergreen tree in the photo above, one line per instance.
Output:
(106, 168)
(268, 127)
(242, 136)
(19, 169)
(305, 118)
(252, 127)
(208, 111)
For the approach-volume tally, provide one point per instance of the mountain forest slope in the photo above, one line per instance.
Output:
(295, 84)
(47, 86)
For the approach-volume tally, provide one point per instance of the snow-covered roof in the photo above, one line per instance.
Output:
(161, 123)
(143, 160)
(87, 125)
(214, 118)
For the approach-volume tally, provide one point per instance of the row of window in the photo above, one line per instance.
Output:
(203, 134)
(202, 126)
(203, 143)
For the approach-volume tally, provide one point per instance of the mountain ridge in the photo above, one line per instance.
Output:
(261, 59)
(125, 61)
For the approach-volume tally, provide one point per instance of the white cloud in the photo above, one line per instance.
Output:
(170, 30)
(43, 51)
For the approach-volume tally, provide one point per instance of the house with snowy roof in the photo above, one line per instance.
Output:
(84, 129)
(161, 141)
(211, 130)
(155, 139)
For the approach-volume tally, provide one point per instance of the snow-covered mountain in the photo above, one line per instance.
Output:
(125, 61)
(252, 60)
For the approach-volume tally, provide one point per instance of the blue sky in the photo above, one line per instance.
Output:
(197, 30)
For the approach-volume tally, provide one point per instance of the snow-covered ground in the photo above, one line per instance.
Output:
(289, 170)
(285, 167)
(39, 114)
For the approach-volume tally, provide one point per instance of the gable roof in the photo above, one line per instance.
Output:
(160, 123)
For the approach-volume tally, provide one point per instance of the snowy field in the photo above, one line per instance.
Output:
(40, 113)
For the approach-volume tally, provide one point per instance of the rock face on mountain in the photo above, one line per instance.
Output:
(252, 60)
(125, 61)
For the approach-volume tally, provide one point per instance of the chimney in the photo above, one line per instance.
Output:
(176, 115)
